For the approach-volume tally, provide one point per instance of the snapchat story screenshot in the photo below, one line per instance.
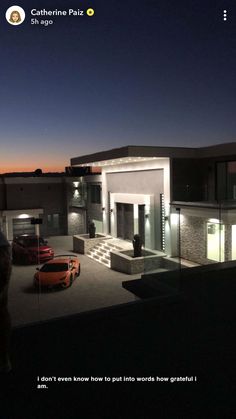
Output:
(81, 77)
(83, 85)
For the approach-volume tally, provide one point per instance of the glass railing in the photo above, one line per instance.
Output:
(195, 233)
(186, 235)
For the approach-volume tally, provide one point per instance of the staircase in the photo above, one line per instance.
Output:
(101, 252)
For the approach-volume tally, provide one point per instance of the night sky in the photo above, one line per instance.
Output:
(136, 73)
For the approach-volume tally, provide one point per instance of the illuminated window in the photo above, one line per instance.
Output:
(215, 241)
(233, 242)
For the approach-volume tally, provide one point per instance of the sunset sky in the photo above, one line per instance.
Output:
(136, 73)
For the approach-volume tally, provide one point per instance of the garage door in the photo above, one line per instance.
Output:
(22, 227)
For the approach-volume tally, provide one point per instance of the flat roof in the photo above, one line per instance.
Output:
(142, 153)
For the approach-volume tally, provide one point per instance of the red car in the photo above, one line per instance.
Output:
(31, 249)
(61, 271)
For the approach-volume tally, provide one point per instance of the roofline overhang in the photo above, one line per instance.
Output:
(134, 151)
(219, 150)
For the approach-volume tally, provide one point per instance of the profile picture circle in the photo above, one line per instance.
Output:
(15, 15)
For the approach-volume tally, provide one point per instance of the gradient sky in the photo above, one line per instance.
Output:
(137, 73)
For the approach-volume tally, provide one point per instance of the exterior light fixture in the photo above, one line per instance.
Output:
(23, 216)
(214, 220)
(146, 215)
(103, 208)
(111, 210)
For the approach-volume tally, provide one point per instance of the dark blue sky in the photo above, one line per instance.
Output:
(141, 72)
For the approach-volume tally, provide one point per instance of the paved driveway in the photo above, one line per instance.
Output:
(96, 287)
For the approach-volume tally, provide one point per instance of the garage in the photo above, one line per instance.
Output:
(22, 226)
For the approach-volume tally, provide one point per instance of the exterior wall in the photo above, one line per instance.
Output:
(193, 234)
(75, 198)
(36, 192)
(26, 194)
(2, 194)
(77, 222)
(61, 201)
(144, 178)
(141, 184)
(193, 241)
(94, 210)
(80, 209)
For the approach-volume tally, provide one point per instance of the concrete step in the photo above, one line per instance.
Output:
(100, 253)
(105, 261)
(105, 247)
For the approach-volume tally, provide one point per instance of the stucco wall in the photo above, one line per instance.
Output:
(148, 182)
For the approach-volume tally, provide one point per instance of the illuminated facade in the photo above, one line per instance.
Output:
(180, 200)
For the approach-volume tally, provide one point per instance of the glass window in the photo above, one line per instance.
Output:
(226, 180)
(54, 267)
(95, 194)
(233, 242)
(215, 241)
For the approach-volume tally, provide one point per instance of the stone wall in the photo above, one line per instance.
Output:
(83, 244)
(77, 222)
(124, 262)
(193, 240)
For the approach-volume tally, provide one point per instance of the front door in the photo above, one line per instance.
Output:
(125, 221)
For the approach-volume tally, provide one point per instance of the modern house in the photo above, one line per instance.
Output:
(180, 200)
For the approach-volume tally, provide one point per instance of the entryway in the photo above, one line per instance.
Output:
(125, 221)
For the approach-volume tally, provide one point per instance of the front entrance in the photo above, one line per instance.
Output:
(125, 221)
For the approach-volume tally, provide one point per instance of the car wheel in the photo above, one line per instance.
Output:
(71, 280)
(78, 273)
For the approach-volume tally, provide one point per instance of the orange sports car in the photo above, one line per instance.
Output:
(61, 270)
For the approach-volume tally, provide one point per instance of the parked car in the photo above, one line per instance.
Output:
(31, 249)
(62, 271)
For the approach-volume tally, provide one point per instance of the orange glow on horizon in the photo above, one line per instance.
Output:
(18, 169)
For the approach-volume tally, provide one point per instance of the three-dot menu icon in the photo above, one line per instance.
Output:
(224, 15)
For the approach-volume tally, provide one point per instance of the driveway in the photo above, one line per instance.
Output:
(96, 287)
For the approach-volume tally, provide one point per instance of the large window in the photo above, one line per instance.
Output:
(226, 180)
(95, 194)
(215, 241)
(233, 242)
